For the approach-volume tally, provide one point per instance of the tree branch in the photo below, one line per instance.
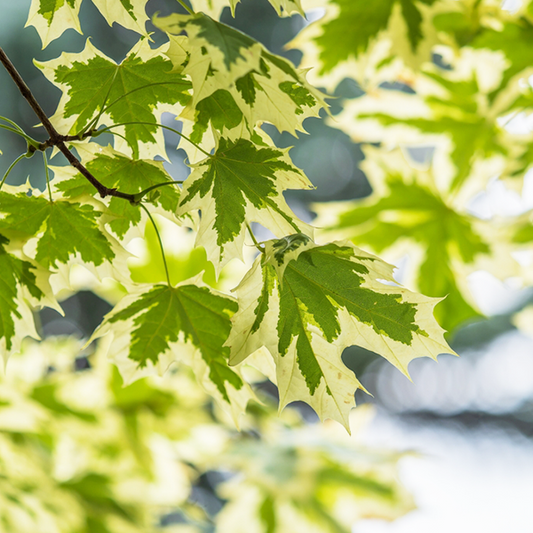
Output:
(56, 139)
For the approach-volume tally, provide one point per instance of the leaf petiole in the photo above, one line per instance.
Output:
(47, 176)
(140, 195)
(186, 7)
(256, 244)
(160, 242)
(159, 125)
(11, 167)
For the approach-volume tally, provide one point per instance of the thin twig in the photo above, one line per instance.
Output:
(56, 139)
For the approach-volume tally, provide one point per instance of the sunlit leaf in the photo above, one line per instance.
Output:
(137, 90)
(306, 303)
(241, 183)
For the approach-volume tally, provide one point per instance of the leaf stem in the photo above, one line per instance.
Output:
(11, 167)
(47, 176)
(186, 7)
(160, 242)
(257, 245)
(139, 196)
(161, 126)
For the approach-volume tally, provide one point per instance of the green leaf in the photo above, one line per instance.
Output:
(137, 90)
(64, 229)
(328, 298)
(242, 182)
(360, 24)
(23, 287)
(159, 325)
(52, 17)
(444, 241)
(454, 109)
(127, 175)
(220, 109)
(266, 88)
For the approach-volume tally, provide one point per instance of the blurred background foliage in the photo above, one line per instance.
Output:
(423, 160)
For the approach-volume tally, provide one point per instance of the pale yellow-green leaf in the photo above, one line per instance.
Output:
(52, 18)
(349, 298)
(130, 14)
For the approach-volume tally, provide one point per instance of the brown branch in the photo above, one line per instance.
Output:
(56, 139)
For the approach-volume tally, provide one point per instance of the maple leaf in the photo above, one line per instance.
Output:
(137, 90)
(360, 23)
(412, 218)
(52, 17)
(214, 8)
(158, 325)
(131, 176)
(23, 287)
(306, 303)
(64, 229)
(454, 116)
(130, 14)
(266, 87)
(241, 182)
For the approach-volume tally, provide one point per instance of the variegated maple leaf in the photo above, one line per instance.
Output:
(158, 325)
(234, 77)
(241, 183)
(305, 303)
(52, 17)
(135, 93)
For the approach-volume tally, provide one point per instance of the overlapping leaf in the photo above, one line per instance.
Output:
(213, 8)
(240, 183)
(227, 66)
(64, 229)
(374, 36)
(405, 215)
(188, 323)
(129, 176)
(306, 303)
(137, 90)
(452, 116)
(23, 287)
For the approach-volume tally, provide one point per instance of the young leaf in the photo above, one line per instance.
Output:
(159, 325)
(52, 17)
(63, 229)
(137, 90)
(327, 298)
(128, 175)
(241, 182)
